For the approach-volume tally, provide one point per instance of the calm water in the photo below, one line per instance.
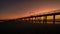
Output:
(46, 22)
(1, 21)
(41, 22)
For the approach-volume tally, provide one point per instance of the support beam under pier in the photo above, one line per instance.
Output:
(53, 19)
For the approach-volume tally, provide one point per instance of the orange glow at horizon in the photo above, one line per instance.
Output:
(14, 16)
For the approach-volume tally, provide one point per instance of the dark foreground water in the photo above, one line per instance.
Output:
(29, 28)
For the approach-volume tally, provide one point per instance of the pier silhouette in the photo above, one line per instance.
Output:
(38, 17)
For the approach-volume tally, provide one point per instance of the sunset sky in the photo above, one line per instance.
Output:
(11, 9)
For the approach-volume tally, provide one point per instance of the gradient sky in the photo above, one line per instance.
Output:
(10, 9)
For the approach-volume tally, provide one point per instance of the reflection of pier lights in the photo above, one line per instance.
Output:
(45, 20)
(31, 19)
(34, 19)
(38, 19)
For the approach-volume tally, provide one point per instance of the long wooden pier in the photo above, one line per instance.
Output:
(45, 16)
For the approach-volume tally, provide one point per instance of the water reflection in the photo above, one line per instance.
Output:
(48, 22)
(1, 21)
(57, 22)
